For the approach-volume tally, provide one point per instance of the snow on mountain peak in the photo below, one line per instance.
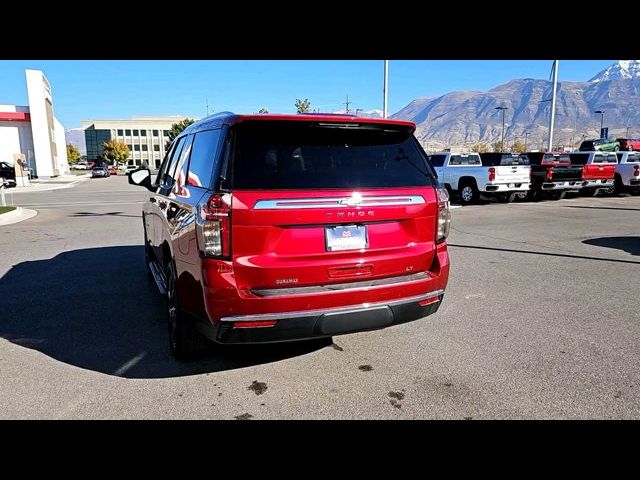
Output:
(622, 69)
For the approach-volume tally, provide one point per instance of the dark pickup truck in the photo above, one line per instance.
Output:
(553, 172)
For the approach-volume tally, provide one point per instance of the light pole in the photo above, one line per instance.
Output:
(385, 88)
(628, 131)
(526, 136)
(601, 112)
(503, 109)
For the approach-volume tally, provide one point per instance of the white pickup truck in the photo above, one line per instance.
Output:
(501, 175)
(628, 173)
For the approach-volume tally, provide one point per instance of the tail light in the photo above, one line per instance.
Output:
(636, 170)
(492, 174)
(213, 226)
(444, 215)
(549, 174)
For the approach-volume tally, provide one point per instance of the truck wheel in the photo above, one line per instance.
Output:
(469, 194)
(185, 342)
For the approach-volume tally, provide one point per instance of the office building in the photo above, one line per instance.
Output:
(146, 137)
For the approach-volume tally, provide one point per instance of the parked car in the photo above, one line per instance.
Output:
(131, 168)
(112, 170)
(7, 174)
(500, 175)
(289, 227)
(81, 166)
(598, 170)
(99, 172)
(627, 176)
(91, 165)
(600, 145)
(629, 143)
(553, 174)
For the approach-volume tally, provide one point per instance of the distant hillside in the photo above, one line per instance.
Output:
(75, 136)
(468, 117)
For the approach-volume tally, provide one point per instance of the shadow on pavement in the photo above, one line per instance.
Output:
(602, 208)
(628, 244)
(96, 309)
(548, 254)
(106, 214)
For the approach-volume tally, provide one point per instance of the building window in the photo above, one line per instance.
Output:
(155, 133)
(136, 133)
(127, 133)
(156, 148)
(165, 133)
(120, 132)
(136, 148)
(143, 133)
(144, 148)
(129, 146)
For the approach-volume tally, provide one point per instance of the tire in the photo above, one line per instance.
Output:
(469, 193)
(618, 187)
(616, 149)
(505, 197)
(185, 342)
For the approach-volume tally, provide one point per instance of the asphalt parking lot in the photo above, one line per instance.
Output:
(540, 320)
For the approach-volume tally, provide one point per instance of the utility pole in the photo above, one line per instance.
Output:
(526, 136)
(503, 109)
(347, 103)
(628, 131)
(385, 88)
(601, 112)
(553, 103)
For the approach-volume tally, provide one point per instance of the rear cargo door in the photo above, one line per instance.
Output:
(319, 204)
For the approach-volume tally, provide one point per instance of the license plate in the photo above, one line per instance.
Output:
(345, 237)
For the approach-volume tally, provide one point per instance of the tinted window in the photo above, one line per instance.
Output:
(127, 133)
(166, 175)
(156, 148)
(312, 155)
(135, 133)
(472, 159)
(120, 132)
(155, 133)
(437, 160)
(180, 171)
(203, 156)
(501, 159)
(610, 158)
(143, 133)
(579, 158)
(144, 148)
(633, 158)
(136, 147)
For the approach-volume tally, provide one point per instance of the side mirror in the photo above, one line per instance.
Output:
(141, 178)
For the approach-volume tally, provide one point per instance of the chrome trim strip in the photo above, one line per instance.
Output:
(338, 202)
(342, 287)
(348, 309)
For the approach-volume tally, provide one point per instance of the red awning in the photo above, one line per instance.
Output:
(15, 116)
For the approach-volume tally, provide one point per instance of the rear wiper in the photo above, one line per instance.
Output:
(403, 156)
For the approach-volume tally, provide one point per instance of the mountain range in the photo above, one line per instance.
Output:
(465, 118)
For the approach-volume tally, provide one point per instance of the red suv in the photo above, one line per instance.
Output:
(268, 228)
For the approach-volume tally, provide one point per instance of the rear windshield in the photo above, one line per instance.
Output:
(500, 159)
(465, 159)
(310, 155)
(610, 158)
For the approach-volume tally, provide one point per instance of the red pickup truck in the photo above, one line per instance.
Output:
(598, 170)
(629, 143)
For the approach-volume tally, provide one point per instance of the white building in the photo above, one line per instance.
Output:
(33, 130)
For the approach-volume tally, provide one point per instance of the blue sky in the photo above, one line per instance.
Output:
(84, 89)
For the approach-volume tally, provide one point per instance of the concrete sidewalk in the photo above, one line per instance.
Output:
(56, 183)
(18, 215)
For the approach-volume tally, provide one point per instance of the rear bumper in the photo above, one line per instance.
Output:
(325, 323)
(506, 187)
(562, 185)
(633, 182)
(600, 183)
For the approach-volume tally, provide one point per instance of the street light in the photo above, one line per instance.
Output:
(526, 136)
(503, 109)
(601, 112)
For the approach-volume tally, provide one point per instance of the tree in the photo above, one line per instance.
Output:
(263, 110)
(480, 148)
(115, 151)
(303, 106)
(518, 147)
(498, 146)
(177, 128)
(73, 154)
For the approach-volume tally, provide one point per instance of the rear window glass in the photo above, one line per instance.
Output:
(465, 160)
(437, 160)
(611, 158)
(296, 155)
(579, 158)
(501, 159)
(633, 158)
(203, 157)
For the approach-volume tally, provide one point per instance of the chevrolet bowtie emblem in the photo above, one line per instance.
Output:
(354, 199)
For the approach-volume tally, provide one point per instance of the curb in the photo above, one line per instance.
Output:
(18, 215)
(48, 189)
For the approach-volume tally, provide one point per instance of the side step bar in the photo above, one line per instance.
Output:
(158, 276)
